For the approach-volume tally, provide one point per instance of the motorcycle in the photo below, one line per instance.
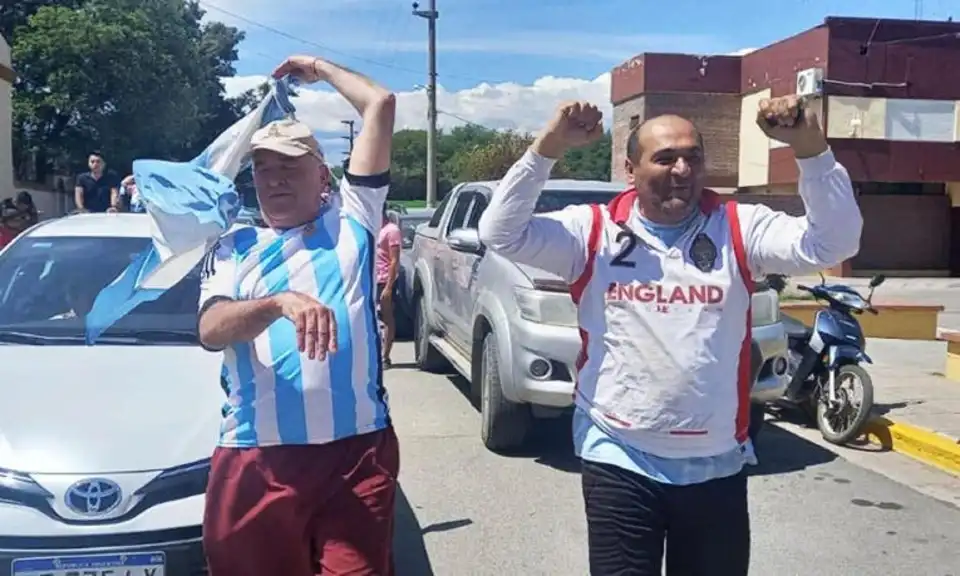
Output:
(827, 379)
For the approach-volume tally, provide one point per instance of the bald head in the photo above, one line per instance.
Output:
(655, 130)
(666, 166)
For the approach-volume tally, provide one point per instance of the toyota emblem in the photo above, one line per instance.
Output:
(93, 496)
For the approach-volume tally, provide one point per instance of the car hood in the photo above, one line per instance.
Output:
(107, 409)
(535, 274)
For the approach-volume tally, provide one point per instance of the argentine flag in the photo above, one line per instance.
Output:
(190, 205)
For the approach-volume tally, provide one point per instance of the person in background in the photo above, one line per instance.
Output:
(129, 189)
(28, 210)
(662, 280)
(99, 189)
(8, 214)
(388, 267)
(303, 480)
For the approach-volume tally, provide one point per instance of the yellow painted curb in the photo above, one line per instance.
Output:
(901, 321)
(928, 447)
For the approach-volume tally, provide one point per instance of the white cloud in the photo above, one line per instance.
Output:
(500, 106)
(741, 52)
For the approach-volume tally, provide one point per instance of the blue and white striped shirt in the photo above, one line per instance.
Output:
(276, 395)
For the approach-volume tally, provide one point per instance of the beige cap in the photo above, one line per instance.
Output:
(288, 137)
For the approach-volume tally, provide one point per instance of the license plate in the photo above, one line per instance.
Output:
(142, 564)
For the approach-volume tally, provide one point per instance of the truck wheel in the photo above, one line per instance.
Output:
(428, 358)
(503, 424)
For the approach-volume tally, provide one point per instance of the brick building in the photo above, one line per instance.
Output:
(890, 104)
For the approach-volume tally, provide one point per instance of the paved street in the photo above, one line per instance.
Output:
(467, 512)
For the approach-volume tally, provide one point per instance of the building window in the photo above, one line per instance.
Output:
(634, 122)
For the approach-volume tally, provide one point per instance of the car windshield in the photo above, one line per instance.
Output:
(551, 200)
(408, 227)
(49, 284)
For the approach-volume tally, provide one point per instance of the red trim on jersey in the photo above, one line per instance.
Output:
(743, 366)
(621, 205)
(577, 288)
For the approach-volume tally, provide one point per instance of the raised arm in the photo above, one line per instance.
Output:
(829, 231)
(555, 242)
(366, 180)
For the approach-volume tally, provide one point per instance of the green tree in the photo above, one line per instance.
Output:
(133, 78)
(14, 13)
(468, 153)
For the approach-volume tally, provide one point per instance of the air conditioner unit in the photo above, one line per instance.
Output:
(810, 82)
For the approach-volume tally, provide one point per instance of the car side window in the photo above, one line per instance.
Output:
(438, 213)
(461, 210)
(479, 205)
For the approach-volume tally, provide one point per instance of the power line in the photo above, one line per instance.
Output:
(464, 120)
(324, 47)
(289, 36)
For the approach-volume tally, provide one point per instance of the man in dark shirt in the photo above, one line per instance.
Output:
(99, 189)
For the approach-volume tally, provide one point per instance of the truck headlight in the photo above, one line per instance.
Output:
(765, 308)
(543, 307)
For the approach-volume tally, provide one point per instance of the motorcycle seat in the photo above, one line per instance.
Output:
(796, 330)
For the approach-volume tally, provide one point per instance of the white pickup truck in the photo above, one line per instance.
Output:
(511, 330)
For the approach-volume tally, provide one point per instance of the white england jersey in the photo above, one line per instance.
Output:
(277, 395)
(664, 330)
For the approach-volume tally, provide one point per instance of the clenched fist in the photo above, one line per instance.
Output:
(789, 120)
(574, 124)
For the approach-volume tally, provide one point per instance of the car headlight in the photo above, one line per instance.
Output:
(765, 308)
(20, 488)
(543, 307)
(180, 482)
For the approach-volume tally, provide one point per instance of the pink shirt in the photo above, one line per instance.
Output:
(390, 237)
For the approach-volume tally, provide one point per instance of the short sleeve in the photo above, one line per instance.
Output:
(393, 236)
(217, 276)
(362, 198)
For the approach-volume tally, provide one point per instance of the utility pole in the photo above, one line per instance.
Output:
(431, 15)
(349, 124)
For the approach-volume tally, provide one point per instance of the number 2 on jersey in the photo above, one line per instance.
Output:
(625, 250)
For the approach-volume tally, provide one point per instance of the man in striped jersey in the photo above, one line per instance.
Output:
(304, 477)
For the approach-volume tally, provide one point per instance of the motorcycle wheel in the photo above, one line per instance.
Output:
(840, 426)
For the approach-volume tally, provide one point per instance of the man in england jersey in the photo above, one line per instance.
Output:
(662, 278)
(304, 476)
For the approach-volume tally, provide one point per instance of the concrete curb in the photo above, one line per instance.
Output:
(931, 448)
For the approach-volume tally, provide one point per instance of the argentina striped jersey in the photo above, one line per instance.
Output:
(276, 395)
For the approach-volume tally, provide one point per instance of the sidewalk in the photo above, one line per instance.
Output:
(917, 409)
(933, 291)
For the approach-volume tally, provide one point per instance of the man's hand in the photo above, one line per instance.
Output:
(789, 120)
(574, 124)
(302, 67)
(386, 297)
(316, 326)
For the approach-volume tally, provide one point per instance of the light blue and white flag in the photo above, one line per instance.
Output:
(190, 205)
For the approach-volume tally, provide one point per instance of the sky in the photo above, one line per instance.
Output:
(507, 64)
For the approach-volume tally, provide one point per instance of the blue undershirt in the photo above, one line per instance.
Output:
(593, 444)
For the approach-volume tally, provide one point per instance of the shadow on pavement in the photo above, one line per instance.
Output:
(409, 550)
(550, 442)
(780, 451)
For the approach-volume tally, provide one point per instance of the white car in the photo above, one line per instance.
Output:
(104, 450)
